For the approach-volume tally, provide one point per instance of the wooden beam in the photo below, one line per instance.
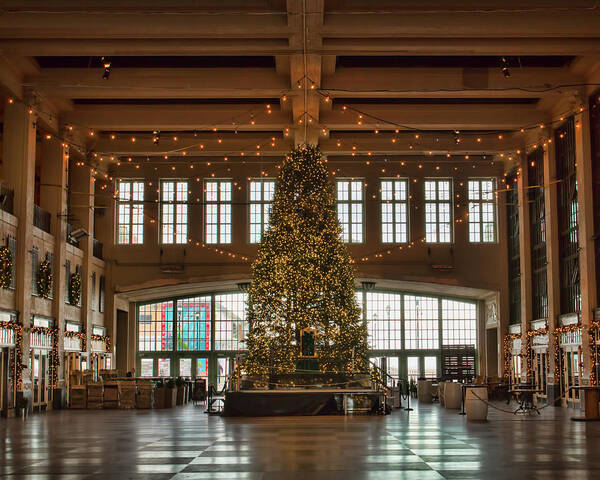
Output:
(435, 117)
(177, 117)
(161, 83)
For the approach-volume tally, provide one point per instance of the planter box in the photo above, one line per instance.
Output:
(180, 395)
(159, 397)
(145, 394)
(170, 397)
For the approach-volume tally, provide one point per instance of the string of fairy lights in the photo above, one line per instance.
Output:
(175, 158)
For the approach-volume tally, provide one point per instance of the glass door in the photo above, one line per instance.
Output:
(39, 373)
(4, 365)
(223, 370)
(202, 370)
(185, 367)
(412, 368)
(571, 375)
(430, 368)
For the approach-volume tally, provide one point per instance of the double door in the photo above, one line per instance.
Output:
(570, 365)
(40, 379)
(5, 386)
(409, 367)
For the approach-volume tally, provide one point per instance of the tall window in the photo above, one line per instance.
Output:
(514, 248)
(173, 211)
(394, 211)
(421, 325)
(193, 323)
(537, 225)
(350, 209)
(130, 212)
(568, 218)
(384, 320)
(262, 193)
(231, 326)
(438, 210)
(155, 327)
(217, 218)
(482, 210)
(459, 323)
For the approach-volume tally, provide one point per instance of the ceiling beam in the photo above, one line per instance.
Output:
(435, 117)
(80, 83)
(528, 82)
(177, 117)
(462, 24)
(461, 46)
(147, 24)
(145, 47)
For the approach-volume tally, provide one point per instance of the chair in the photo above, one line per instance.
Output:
(199, 392)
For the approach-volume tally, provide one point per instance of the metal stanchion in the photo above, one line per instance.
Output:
(408, 409)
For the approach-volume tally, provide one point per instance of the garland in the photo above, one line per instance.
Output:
(53, 357)
(508, 342)
(75, 288)
(16, 358)
(80, 335)
(6, 267)
(594, 335)
(557, 333)
(103, 338)
(529, 349)
(44, 281)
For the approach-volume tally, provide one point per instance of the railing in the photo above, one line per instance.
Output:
(97, 249)
(70, 239)
(7, 199)
(41, 218)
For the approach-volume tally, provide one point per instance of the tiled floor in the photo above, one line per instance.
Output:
(184, 443)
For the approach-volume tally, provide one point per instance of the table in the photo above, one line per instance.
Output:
(591, 396)
(525, 399)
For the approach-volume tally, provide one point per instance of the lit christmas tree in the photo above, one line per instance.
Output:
(302, 300)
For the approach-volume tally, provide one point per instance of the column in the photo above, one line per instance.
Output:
(553, 270)
(587, 265)
(19, 140)
(54, 172)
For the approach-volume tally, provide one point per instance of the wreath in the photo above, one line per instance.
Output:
(45, 276)
(75, 288)
(6, 267)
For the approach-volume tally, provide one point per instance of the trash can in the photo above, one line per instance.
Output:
(424, 391)
(476, 403)
(452, 395)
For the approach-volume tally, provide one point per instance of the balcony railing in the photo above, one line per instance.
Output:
(41, 218)
(97, 249)
(7, 199)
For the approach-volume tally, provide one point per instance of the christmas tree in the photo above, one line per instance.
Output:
(303, 279)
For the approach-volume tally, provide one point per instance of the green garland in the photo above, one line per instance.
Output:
(75, 288)
(6, 266)
(45, 276)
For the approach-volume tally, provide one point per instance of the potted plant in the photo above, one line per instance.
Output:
(180, 384)
(170, 393)
(159, 394)
(22, 407)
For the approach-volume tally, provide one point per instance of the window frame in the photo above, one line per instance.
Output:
(219, 203)
(350, 204)
(394, 204)
(131, 204)
(262, 203)
(437, 202)
(175, 215)
(482, 202)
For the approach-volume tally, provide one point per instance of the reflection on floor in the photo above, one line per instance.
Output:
(184, 443)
